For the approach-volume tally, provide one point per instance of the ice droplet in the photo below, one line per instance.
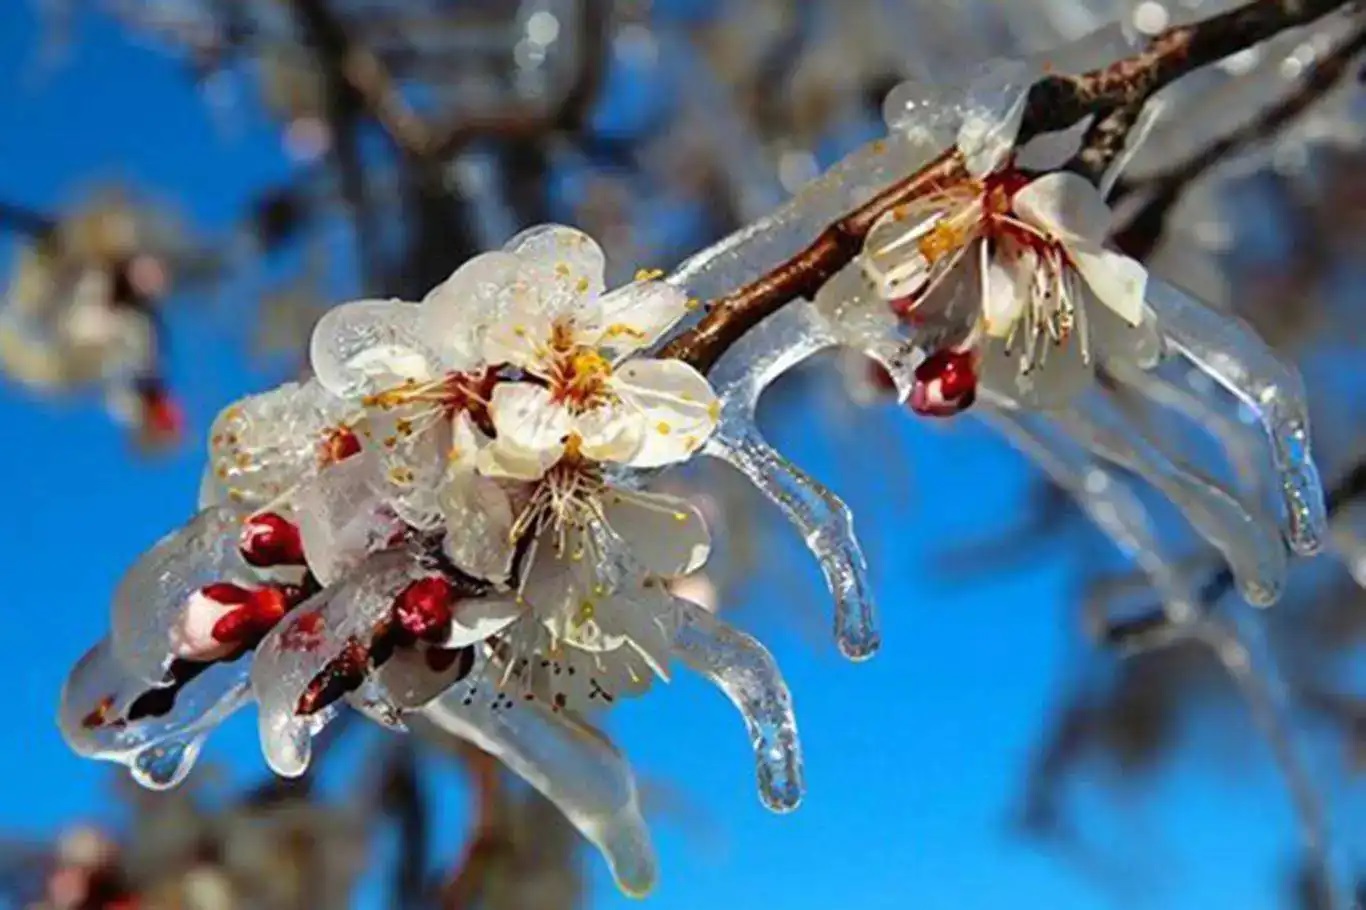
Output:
(569, 763)
(1227, 348)
(1247, 541)
(1106, 499)
(159, 748)
(165, 765)
(747, 673)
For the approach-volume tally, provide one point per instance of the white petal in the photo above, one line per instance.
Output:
(457, 313)
(571, 258)
(192, 633)
(637, 315)
(528, 421)
(1004, 294)
(1066, 206)
(369, 345)
(479, 618)
(610, 433)
(1116, 280)
(678, 404)
(995, 107)
(666, 534)
(343, 518)
(478, 516)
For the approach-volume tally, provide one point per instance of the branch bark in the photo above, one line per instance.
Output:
(1054, 103)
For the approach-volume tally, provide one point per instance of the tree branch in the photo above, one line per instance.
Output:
(1054, 103)
(1143, 232)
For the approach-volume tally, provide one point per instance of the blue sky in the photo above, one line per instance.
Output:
(914, 759)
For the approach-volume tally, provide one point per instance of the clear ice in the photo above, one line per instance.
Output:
(570, 764)
(747, 673)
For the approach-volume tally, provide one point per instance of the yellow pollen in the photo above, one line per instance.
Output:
(939, 242)
(562, 269)
(680, 516)
(663, 428)
(585, 613)
(618, 329)
(589, 365)
(714, 410)
(692, 304)
(649, 274)
(582, 286)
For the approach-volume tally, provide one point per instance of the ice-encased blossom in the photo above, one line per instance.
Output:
(1046, 300)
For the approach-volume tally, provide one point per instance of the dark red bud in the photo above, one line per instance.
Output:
(270, 540)
(226, 593)
(263, 609)
(423, 609)
(340, 445)
(945, 384)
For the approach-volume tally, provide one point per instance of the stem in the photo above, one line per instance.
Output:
(1054, 103)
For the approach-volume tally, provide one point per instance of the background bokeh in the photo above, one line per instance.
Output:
(917, 761)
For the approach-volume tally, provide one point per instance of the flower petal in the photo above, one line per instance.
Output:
(1117, 281)
(995, 108)
(342, 519)
(366, 346)
(568, 257)
(667, 535)
(1066, 206)
(637, 315)
(263, 445)
(1005, 290)
(478, 516)
(678, 404)
(457, 313)
(477, 618)
(610, 433)
(531, 427)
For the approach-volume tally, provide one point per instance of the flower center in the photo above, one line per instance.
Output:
(580, 379)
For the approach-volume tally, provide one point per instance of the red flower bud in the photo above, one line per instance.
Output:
(423, 609)
(270, 540)
(945, 384)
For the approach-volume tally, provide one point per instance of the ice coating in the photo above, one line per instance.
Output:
(263, 445)
(1248, 542)
(159, 751)
(1229, 350)
(1105, 498)
(311, 637)
(357, 348)
(747, 673)
(1348, 539)
(1199, 402)
(779, 343)
(753, 250)
(567, 762)
(152, 593)
(342, 519)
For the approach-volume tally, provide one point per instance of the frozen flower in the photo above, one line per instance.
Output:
(1046, 300)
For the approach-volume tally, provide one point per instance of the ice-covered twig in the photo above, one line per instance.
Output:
(1160, 192)
(1055, 102)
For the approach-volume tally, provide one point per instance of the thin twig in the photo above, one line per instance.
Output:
(1162, 191)
(26, 221)
(1054, 103)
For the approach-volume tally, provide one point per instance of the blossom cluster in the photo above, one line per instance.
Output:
(451, 525)
(449, 518)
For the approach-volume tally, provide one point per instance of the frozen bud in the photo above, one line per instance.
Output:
(159, 419)
(945, 384)
(339, 445)
(269, 540)
(423, 609)
(220, 618)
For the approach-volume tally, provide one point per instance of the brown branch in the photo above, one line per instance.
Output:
(1054, 103)
(1143, 232)
(1105, 139)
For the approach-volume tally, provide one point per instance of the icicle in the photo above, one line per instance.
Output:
(1202, 407)
(159, 749)
(1226, 348)
(824, 522)
(782, 341)
(152, 593)
(1252, 550)
(569, 763)
(747, 673)
(1107, 500)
